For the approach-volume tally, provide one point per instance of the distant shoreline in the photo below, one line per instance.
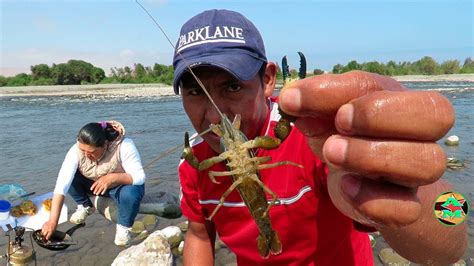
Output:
(150, 90)
(428, 78)
(112, 90)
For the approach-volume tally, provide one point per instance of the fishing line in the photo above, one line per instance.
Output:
(182, 57)
(195, 77)
(159, 157)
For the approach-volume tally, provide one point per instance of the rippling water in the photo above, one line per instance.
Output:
(36, 133)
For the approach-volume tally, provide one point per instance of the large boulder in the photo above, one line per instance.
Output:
(155, 250)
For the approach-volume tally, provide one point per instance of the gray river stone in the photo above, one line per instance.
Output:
(158, 203)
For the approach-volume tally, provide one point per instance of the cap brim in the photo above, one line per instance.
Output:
(241, 66)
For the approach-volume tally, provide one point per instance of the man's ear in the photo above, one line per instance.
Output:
(269, 79)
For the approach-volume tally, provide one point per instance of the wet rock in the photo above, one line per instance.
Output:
(460, 262)
(155, 250)
(389, 257)
(159, 203)
(173, 234)
(452, 140)
(149, 220)
(183, 226)
(372, 240)
(453, 163)
(219, 244)
(181, 248)
(225, 257)
(138, 227)
(175, 251)
(178, 250)
(106, 206)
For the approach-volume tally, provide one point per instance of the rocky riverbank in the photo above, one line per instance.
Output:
(111, 90)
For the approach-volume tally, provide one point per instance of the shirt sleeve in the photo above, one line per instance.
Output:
(131, 161)
(67, 171)
(189, 197)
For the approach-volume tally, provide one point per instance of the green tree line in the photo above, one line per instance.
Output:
(76, 72)
(72, 72)
(424, 66)
(141, 74)
(80, 72)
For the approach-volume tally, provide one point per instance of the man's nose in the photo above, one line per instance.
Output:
(212, 114)
(212, 110)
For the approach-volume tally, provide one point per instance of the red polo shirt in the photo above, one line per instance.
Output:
(311, 229)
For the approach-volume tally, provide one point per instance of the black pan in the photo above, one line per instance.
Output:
(59, 240)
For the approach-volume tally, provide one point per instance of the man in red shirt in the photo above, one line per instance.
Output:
(365, 164)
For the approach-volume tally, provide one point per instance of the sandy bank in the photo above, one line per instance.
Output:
(120, 90)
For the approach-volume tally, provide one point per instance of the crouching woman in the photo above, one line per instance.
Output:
(105, 163)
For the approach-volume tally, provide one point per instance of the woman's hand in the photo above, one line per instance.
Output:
(48, 228)
(101, 185)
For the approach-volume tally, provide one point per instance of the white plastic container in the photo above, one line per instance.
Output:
(5, 207)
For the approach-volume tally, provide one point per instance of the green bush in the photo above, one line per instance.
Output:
(42, 82)
(3, 81)
(21, 79)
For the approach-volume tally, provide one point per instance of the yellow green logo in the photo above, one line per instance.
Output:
(451, 208)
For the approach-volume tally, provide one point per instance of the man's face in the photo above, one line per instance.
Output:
(247, 98)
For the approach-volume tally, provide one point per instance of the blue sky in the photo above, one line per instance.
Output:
(119, 33)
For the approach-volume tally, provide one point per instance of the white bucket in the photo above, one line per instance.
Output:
(5, 207)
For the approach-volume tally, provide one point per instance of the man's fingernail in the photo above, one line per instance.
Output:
(344, 117)
(335, 150)
(350, 185)
(291, 99)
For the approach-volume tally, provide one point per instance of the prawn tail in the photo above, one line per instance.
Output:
(267, 246)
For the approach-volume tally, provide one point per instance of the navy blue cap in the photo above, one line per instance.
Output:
(219, 38)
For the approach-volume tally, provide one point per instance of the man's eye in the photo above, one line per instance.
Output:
(234, 87)
(194, 91)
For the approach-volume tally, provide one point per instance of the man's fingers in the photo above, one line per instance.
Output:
(410, 164)
(380, 203)
(324, 94)
(316, 127)
(407, 115)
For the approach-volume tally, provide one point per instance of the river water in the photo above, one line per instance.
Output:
(36, 132)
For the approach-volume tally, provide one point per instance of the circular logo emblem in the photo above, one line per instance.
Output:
(451, 208)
